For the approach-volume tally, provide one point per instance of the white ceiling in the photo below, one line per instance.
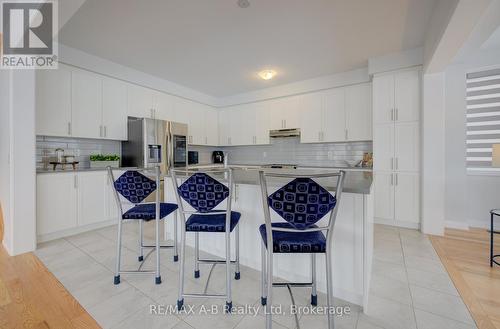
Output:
(217, 48)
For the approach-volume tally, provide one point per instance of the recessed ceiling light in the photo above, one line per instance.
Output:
(267, 74)
(243, 3)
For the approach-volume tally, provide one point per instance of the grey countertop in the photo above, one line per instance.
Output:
(356, 181)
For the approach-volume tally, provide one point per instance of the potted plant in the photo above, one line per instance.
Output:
(103, 161)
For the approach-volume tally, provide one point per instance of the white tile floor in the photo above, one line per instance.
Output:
(410, 287)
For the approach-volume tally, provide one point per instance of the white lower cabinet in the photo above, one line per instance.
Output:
(56, 202)
(407, 198)
(384, 190)
(72, 202)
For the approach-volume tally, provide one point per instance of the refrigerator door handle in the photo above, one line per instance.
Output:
(168, 145)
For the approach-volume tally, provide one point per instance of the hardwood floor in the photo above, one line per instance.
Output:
(465, 254)
(31, 297)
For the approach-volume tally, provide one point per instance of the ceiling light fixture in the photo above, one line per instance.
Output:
(267, 74)
(243, 3)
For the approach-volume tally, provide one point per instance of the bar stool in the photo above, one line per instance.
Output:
(301, 203)
(494, 212)
(202, 192)
(134, 186)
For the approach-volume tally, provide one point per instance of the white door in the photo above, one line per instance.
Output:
(86, 104)
(164, 106)
(384, 195)
(56, 202)
(211, 127)
(334, 119)
(225, 126)
(92, 196)
(261, 123)
(407, 197)
(383, 98)
(140, 101)
(406, 146)
(383, 147)
(53, 102)
(407, 96)
(358, 107)
(311, 118)
(114, 109)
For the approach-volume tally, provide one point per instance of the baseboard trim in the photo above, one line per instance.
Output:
(74, 231)
(456, 225)
(397, 223)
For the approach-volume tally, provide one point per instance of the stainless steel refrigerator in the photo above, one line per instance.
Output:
(155, 142)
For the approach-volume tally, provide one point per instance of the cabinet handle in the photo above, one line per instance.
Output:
(206, 140)
(319, 135)
(100, 131)
(392, 114)
(69, 128)
(392, 163)
(396, 179)
(396, 115)
(105, 131)
(397, 163)
(75, 181)
(392, 179)
(346, 134)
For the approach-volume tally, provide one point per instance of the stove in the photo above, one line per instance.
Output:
(280, 166)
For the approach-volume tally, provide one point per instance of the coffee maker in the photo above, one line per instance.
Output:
(218, 157)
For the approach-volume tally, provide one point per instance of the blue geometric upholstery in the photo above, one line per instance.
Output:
(203, 192)
(302, 202)
(147, 211)
(134, 186)
(211, 223)
(294, 242)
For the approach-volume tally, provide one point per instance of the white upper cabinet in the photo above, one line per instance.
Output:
(358, 104)
(396, 97)
(262, 123)
(53, 102)
(284, 112)
(86, 104)
(383, 99)
(312, 118)
(163, 105)
(225, 126)
(114, 109)
(407, 96)
(140, 101)
(211, 124)
(335, 117)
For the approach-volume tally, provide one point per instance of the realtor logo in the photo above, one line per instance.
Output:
(28, 30)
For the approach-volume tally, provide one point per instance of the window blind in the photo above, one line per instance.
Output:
(483, 118)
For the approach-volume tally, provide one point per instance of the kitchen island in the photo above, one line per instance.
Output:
(352, 240)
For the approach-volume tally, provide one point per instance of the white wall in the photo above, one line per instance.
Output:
(433, 160)
(17, 191)
(468, 198)
(5, 186)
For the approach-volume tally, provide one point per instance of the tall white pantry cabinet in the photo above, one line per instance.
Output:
(396, 147)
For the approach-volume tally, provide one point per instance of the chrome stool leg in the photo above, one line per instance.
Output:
(314, 294)
(329, 286)
(263, 297)
(176, 254)
(197, 255)
(141, 241)
(237, 275)
(180, 300)
(269, 302)
(157, 237)
(229, 302)
(118, 252)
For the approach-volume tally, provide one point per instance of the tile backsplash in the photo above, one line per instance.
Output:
(81, 148)
(291, 151)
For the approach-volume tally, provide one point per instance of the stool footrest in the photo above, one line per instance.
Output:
(292, 284)
(204, 296)
(214, 261)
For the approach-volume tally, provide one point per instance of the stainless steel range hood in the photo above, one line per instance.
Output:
(295, 132)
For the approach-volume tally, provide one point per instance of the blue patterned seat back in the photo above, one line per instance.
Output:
(134, 186)
(302, 202)
(203, 192)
